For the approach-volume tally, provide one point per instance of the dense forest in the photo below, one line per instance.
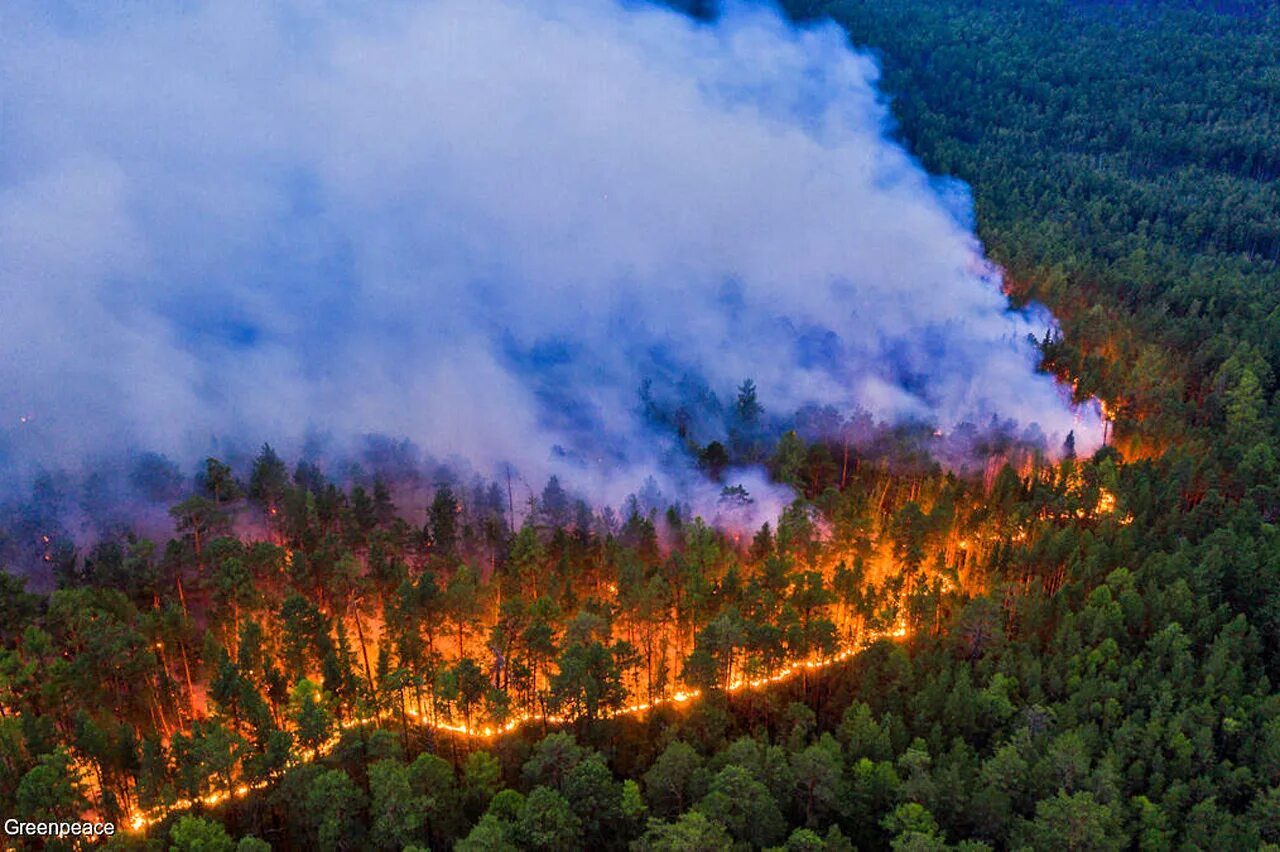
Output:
(1071, 654)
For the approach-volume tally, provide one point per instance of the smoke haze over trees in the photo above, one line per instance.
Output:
(1002, 651)
(559, 235)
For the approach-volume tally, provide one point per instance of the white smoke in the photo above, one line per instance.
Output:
(476, 224)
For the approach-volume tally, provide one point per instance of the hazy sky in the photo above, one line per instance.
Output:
(478, 224)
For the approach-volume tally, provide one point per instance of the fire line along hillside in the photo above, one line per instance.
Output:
(814, 626)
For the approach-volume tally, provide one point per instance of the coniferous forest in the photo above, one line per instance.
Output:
(1006, 646)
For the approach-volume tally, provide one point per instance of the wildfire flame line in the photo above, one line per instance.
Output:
(139, 821)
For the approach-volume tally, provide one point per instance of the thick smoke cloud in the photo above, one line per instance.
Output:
(477, 224)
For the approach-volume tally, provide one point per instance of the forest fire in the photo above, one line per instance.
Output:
(713, 532)
(140, 821)
(697, 425)
(874, 590)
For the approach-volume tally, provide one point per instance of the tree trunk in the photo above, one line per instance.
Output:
(182, 596)
(191, 690)
(364, 652)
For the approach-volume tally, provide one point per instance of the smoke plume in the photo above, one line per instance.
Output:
(481, 225)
